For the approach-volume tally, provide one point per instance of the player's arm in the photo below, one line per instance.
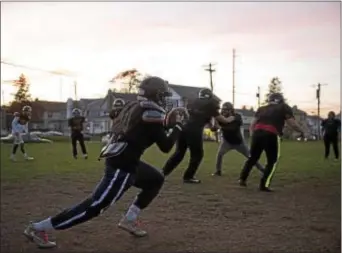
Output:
(291, 121)
(70, 123)
(254, 121)
(238, 120)
(156, 120)
(15, 125)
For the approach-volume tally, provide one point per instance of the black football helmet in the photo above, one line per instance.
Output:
(227, 108)
(205, 93)
(275, 98)
(27, 110)
(118, 104)
(76, 112)
(331, 115)
(155, 89)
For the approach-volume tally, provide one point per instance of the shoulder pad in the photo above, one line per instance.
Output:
(153, 116)
(151, 105)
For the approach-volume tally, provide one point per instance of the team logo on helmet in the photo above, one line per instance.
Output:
(205, 93)
(76, 112)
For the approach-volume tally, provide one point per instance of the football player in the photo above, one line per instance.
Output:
(266, 129)
(19, 127)
(232, 138)
(331, 127)
(138, 126)
(76, 126)
(202, 111)
(118, 105)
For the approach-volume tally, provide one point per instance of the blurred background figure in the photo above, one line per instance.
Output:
(331, 127)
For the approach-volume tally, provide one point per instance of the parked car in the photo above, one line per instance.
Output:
(28, 138)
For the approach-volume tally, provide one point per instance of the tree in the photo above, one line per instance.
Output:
(275, 86)
(130, 79)
(244, 107)
(22, 95)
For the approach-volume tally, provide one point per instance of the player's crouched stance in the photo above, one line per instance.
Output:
(139, 125)
(19, 127)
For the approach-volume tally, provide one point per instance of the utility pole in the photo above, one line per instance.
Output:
(258, 96)
(210, 69)
(75, 90)
(318, 96)
(233, 90)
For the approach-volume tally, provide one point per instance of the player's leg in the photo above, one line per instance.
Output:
(110, 189)
(222, 150)
(82, 144)
(243, 149)
(74, 145)
(16, 143)
(326, 146)
(335, 147)
(177, 156)
(22, 149)
(257, 147)
(150, 181)
(195, 143)
(272, 150)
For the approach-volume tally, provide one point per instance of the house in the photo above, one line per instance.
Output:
(97, 110)
(301, 118)
(183, 95)
(247, 118)
(314, 124)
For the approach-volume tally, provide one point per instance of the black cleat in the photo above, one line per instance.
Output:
(192, 181)
(242, 183)
(217, 173)
(75, 157)
(265, 189)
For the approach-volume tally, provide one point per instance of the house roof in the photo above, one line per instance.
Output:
(189, 92)
(97, 103)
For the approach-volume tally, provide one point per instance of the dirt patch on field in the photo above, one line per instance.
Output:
(216, 216)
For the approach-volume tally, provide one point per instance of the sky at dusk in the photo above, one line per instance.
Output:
(298, 42)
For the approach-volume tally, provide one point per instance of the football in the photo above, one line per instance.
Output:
(178, 114)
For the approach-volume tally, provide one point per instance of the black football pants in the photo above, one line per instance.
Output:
(187, 139)
(77, 137)
(328, 141)
(263, 141)
(113, 185)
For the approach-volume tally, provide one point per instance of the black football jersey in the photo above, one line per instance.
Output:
(274, 115)
(138, 126)
(201, 112)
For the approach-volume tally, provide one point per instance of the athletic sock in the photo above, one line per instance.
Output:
(43, 225)
(132, 213)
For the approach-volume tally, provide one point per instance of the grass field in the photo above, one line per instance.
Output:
(302, 215)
